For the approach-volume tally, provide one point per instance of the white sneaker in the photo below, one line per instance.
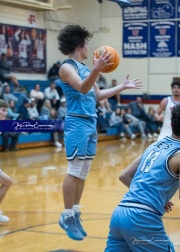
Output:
(133, 136)
(57, 144)
(3, 218)
(149, 135)
(155, 135)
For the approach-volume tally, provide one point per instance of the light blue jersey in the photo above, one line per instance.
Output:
(80, 133)
(136, 224)
(78, 103)
(145, 187)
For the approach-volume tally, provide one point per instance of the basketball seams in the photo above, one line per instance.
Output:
(115, 59)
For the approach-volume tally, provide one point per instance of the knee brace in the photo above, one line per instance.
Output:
(79, 168)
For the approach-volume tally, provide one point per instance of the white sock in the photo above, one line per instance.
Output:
(76, 208)
(68, 212)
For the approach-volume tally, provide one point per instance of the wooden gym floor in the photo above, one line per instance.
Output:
(35, 200)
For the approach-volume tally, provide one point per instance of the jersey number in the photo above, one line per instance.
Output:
(149, 161)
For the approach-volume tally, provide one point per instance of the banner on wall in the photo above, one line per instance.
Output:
(135, 40)
(162, 39)
(178, 9)
(137, 11)
(25, 48)
(162, 9)
(178, 38)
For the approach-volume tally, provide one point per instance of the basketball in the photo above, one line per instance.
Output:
(115, 57)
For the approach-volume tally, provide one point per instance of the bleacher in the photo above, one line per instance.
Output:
(45, 139)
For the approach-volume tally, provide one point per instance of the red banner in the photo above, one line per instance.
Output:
(25, 48)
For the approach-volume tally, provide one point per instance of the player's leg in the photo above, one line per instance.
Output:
(115, 240)
(5, 182)
(67, 220)
(79, 191)
(145, 231)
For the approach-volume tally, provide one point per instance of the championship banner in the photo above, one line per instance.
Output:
(137, 11)
(162, 9)
(25, 48)
(135, 40)
(162, 39)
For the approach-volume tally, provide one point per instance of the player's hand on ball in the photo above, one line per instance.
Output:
(168, 207)
(102, 61)
(135, 83)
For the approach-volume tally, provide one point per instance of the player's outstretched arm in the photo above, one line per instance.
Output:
(127, 84)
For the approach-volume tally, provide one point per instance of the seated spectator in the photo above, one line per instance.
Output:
(133, 122)
(55, 135)
(51, 94)
(23, 110)
(62, 111)
(21, 99)
(13, 136)
(116, 120)
(138, 110)
(45, 110)
(5, 68)
(32, 110)
(8, 95)
(11, 114)
(38, 95)
(101, 81)
(53, 73)
(114, 100)
(104, 112)
(156, 125)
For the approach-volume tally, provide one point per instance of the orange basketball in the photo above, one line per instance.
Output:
(115, 57)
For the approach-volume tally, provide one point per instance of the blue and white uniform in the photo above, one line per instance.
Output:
(136, 224)
(80, 134)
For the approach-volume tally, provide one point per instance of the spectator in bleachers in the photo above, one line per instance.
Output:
(62, 111)
(12, 115)
(38, 95)
(55, 135)
(116, 120)
(21, 100)
(8, 95)
(115, 100)
(5, 69)
(104, 112)
(156, 125)
(32, 110)
(23, 110)
(53, 73)
(101, 81)
(133, 122)
(51, 94)
(138, 110)
(45, 110)
(13, 136)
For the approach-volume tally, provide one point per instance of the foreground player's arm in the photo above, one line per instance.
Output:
(127, 175)
(158, 115)
(108, 92)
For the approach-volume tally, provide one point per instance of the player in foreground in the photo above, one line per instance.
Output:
(82, 93)
(5, 180)
(136, 224)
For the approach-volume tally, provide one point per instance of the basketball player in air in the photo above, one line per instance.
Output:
(5, 180)
(166, 106)
(136, 224)
(82, 93)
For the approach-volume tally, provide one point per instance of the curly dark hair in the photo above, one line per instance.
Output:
(72, 36)
(175, 120)
(175, 83)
